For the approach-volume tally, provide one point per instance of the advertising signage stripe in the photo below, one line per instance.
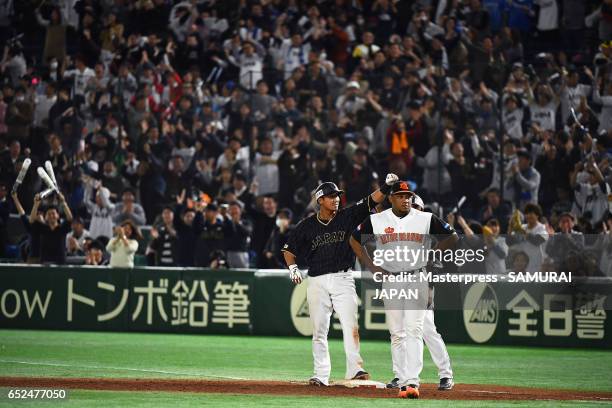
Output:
(193, 300)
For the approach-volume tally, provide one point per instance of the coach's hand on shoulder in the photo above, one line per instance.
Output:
(295, 274)
(391, 179)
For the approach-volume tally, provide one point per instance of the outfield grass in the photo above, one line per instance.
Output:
(91, 354)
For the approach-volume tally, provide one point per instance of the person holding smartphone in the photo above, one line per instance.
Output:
(124, 245)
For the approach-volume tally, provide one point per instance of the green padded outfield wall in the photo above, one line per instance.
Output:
(266, 303)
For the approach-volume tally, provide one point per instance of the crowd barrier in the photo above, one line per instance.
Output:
(265, 302)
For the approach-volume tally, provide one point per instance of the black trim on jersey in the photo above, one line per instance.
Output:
(439, 227)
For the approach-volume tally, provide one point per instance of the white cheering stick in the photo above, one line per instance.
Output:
(575, 117)
(51, 173)
(22, 173)
(46, 193)
(459, 205)
(45, 177)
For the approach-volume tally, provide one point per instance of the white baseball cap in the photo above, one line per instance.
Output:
(353, 84)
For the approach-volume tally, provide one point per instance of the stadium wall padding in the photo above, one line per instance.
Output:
(265, 302)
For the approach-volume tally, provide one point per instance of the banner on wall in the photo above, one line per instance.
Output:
(265, 302)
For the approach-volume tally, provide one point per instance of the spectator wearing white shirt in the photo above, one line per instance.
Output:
(605, 117)
(496, 248)
(350, 102)
(573, 92)
(548, 23)
(250, 31)
(512, 116)
(43, 104)
(75, 239)
(181, 17)
(604, 245)
(433, 181)
(529, 238)
(543, 109)
(524, 183)
(590, 193)
(234, 154)
(124, 245)
(128, 209)
(81, 74)
(101, 209)
(266, 168)
(294, 54)
(565, 243)
(13, 64)
(124, 84)
(250, 62)
(101, 79)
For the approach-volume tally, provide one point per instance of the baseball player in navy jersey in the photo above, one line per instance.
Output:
(322, 242)
(402, 226)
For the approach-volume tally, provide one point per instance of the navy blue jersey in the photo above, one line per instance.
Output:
(324, 247)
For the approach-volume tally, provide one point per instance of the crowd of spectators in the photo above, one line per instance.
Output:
(212, 121)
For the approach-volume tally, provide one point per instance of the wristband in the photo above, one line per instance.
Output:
(385, 189)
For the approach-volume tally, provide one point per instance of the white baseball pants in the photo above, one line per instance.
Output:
(436, 346)
(404, 367)
(406, 320)
(326, 294)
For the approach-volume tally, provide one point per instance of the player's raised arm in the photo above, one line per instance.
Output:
(379, 195)
(360, 211)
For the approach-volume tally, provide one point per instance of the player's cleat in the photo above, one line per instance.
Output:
(394, 383)
(361, 375)
(446, 384)
(314, 381)
(409, 391)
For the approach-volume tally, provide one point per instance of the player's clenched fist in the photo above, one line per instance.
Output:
(391, 179)
(294, 274)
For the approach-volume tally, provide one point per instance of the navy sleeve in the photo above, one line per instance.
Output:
(438, 227)
(358, 212)
(363, 229)
(296, 237)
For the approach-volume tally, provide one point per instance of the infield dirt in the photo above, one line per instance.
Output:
(427, 391)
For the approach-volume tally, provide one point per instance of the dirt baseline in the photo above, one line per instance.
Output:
(428, 391)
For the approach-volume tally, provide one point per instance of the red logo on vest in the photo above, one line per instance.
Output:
(389, 230)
